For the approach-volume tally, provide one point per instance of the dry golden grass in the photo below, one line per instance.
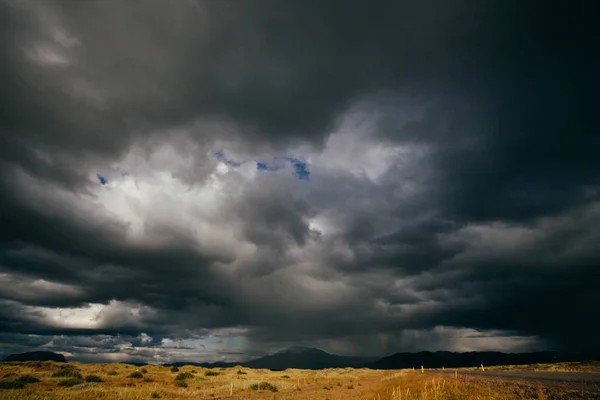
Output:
(332, 384)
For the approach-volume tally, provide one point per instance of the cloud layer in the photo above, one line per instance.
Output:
(453, 200)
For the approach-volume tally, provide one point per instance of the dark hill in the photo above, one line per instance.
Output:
(294, 357)
(217, 364)
(37, 356)
(305, 358)
(309, 358)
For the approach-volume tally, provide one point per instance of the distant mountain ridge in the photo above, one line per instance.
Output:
(310, 358)
(306, 358)
(37, 356)
(293, 357)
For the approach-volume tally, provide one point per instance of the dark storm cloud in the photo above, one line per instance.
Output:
(451, 146)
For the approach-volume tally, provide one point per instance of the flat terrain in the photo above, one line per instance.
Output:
(588, 366)
(47, 381)
(582, 377)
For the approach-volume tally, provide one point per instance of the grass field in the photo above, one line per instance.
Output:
(74, 381)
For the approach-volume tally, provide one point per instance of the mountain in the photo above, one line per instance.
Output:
(136, 363)
(305, 358)
(37, 356)
(471, 359)
(310, 358)
(217, 364)
(294, 357)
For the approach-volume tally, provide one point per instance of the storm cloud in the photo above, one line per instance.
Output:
(209, 180)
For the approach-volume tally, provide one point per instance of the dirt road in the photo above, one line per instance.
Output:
(581, 377)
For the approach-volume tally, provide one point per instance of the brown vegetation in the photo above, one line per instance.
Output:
(196, 383)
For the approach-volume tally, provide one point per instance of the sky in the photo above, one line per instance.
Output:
(202, 180)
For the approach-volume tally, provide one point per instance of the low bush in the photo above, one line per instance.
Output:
(211, 373)
(240, 372)
(183, 376)
(12, 385)
(111, 373)
(136, 374)
(155, 395)
(181, 384)
(93, 378)
(263, 386)
(27, 379)
(147, 380)
(174, 369)
(67, 373)
(70, 382)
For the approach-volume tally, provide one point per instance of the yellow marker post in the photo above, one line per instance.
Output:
(422, 370)
(483, 369)
(442, 368)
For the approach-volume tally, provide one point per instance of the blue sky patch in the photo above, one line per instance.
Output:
(102, 179)
(301, 169)
(221, 157)
(278, 163)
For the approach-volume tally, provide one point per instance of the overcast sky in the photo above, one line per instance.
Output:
(217, 180)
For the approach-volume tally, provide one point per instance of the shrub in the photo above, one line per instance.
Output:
(70, 382)
(350, 387)
(147, 380)
(240, 372)
(12, 385)
(285, 376)
(211, 373)
(181, 384)
(67, 373)
(9, 375)
(194, 371)
(155, 395)
(183, 376)
(263, 386)
(27, 379)
(136, 374)
(93, 378)
(144, 371)
(174, 369)
(112, 373)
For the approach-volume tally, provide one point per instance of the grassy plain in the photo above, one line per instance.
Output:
(76, 381)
